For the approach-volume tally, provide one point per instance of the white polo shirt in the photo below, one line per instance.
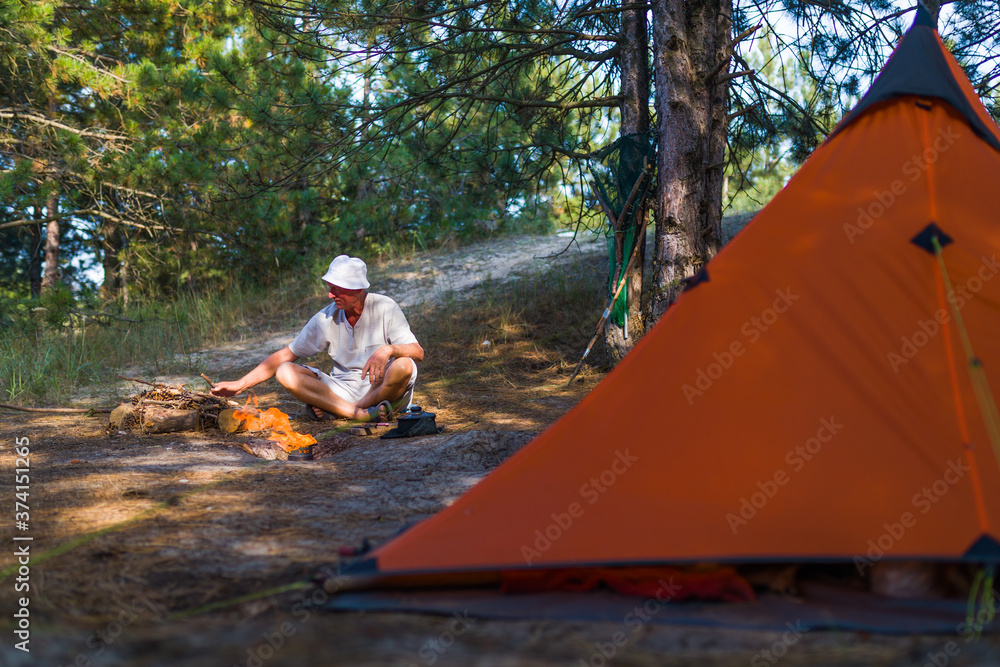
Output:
(381, 323)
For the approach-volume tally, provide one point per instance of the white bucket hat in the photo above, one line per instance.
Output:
(347, 273)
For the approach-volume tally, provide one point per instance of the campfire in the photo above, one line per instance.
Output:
(276, 421)
(165, 409)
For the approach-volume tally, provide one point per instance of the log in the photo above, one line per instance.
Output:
(123, 417)
(263, 449)
(169, 420)
(229, 423)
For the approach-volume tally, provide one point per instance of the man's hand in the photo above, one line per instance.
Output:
(375, 367)
(264, 371)
(231, 388)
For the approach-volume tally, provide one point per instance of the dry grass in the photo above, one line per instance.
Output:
(510, 343)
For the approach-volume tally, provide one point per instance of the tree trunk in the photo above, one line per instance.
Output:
(303, 209)
(51, 244)
(125, 279)
(35, 246)
(51, 277)
(634, 64)
(690, 39)
(110, 245)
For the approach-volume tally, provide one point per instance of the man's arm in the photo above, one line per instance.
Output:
(375, 367)
(264, 371)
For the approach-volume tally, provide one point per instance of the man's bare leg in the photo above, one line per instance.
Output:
(303, 384)
(393, 384)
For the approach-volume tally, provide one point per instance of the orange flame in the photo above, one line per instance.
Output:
(277, 421)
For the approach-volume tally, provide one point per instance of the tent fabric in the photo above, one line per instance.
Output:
(809, 402)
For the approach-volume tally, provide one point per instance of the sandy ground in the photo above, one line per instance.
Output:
(431, 277)
(160, 550)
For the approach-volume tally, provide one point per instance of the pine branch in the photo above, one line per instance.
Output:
(81, 59)
(14, 114)
(30, 221)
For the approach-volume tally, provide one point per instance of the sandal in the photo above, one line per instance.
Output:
(374, 414)
(309, 414)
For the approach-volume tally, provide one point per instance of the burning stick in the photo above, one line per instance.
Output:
(273, 419)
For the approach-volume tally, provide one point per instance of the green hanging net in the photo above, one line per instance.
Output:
(615, 169)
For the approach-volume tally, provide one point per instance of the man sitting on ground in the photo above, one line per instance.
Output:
(366, 335)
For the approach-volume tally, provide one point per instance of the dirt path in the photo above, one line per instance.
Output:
(435, 276)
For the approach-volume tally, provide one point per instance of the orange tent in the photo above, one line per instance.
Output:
(812, 394)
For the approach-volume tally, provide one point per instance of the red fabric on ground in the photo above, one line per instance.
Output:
(661, 583)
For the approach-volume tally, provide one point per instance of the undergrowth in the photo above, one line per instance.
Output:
(51, 347)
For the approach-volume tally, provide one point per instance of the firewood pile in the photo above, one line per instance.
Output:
(266, 434)
(165, 409)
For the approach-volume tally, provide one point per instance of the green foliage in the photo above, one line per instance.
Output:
(197, 146)
(834, 52)
(773, 137)
(55, 305)
(445, 133)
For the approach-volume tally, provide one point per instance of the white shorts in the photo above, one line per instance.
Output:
(354, 390)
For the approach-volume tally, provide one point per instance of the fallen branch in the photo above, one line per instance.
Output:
(62, 410)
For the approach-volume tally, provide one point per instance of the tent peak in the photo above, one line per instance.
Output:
(924, 16)
(919, 67)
